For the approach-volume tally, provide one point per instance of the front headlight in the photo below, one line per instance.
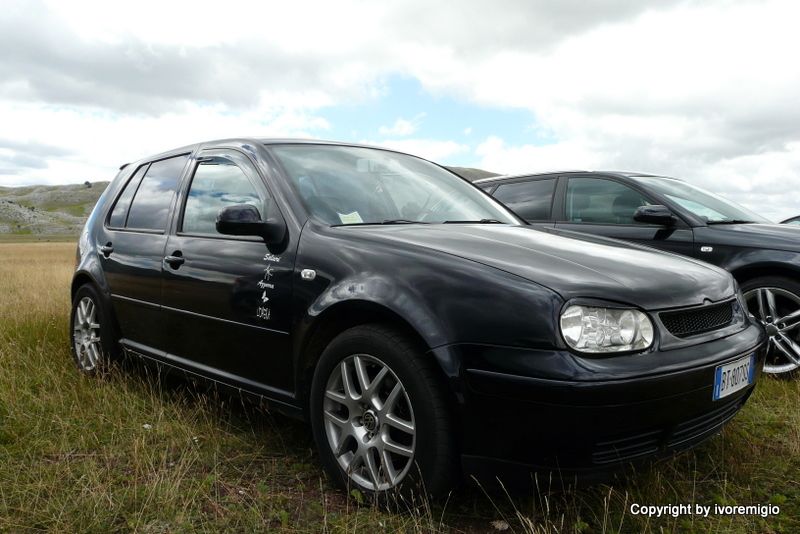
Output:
(597, 330)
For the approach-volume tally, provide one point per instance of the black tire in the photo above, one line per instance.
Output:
(108, 348)
(786, 294)
(433, 468)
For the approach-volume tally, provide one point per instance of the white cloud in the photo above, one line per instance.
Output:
(403, 127)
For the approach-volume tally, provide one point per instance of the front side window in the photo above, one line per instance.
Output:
(591, 200)
(217, 183)
(343, 185)
(120, 212)
(150, 207)
(530, 200)
(712, 208)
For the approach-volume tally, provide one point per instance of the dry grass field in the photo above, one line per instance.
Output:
(133, 452)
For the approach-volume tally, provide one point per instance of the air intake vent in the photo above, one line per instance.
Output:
(690, 322)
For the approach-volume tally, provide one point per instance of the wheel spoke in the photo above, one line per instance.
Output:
(337, 397)
(770, 300)
(788, 347)
(391, 400)
(335, 419)
(94, 355)
(387, 467)
(376, 382)
(396, 448)
(361, 374)
(400, 424)
(372, 468)
(347, 383)
(340, 447)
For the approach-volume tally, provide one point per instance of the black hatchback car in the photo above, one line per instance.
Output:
(417, 324)
(673, 215)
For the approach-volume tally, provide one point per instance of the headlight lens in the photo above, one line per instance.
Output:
(597, 330)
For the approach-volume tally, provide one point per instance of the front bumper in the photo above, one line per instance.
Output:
(583, 425)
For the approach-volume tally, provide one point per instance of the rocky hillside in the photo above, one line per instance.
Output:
(46, 209)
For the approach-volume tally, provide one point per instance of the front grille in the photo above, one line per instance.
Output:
(685, 323)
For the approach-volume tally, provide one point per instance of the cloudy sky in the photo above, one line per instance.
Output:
(708, 91)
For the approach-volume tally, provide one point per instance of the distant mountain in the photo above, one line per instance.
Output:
(472, 174)
(47, 209)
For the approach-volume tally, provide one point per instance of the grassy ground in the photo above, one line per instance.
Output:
(129, 452)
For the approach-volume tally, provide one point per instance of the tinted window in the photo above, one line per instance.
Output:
(601, 201)
(217, 183)
(151, 204)
(530, 200)
(120, 211)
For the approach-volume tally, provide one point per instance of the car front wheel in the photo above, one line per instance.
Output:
(380, 417)
(775, 301)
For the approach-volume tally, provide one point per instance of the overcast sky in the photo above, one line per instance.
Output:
(708, 91)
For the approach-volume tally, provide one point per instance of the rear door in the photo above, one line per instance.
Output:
(605, 206)
(227, 298)
(132, 247)
(531, 199)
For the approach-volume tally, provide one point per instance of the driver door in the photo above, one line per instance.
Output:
(227, 298)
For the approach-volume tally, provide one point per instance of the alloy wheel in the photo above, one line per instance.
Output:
(369, 422)
(86, 335)
(779, 311)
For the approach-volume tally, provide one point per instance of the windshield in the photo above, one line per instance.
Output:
(344, 185)
(712, 208)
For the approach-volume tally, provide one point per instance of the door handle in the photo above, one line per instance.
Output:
(175, 259)
(107, 249)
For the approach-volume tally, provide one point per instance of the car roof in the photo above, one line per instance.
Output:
(621, 174)
(257, 140)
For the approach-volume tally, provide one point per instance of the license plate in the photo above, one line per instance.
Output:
(734, 376)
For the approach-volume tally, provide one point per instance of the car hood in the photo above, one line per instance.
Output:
(774, 236)
(573, 265)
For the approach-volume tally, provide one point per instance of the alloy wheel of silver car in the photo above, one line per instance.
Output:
(779, 310)
(369, 422)
(86, 335)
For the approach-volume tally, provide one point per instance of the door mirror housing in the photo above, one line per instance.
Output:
(655, 214)
(244, 219)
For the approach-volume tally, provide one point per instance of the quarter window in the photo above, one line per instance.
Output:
(120, 211)
(150, 208)
(530, 200)
(590, 200)
(217, 183)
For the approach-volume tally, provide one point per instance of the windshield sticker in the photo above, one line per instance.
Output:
(350, 218)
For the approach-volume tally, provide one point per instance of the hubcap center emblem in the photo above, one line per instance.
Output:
(370, 421)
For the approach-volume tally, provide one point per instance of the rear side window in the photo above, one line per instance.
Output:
(150, 207)
(217, 183)
(120, 211)
(530, 200)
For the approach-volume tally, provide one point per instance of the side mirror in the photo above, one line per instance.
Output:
(244, 219)
(655, 214)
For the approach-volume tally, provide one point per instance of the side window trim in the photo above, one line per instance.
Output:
(251, 173)
(171, 208)
(107, 221)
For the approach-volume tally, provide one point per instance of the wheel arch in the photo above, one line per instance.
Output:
(337, 318)
(749, 272)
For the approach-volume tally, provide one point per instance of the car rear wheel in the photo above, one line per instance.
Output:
(379, 415)
(775, 301)
(93, 342)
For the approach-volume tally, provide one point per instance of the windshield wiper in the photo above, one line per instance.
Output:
(481, 221)
(385, 221)
(731, 221)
